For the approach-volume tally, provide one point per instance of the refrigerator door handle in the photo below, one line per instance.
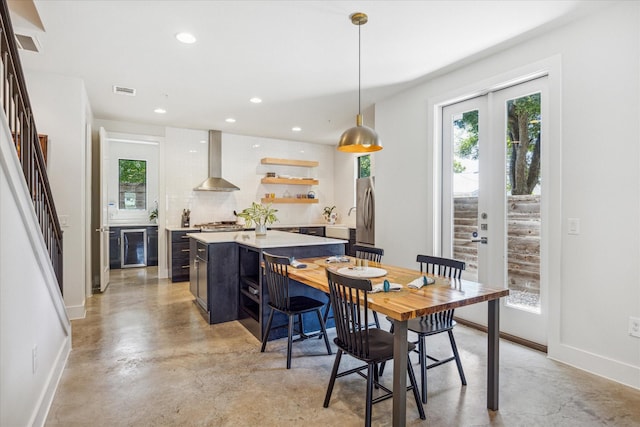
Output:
(369, 210)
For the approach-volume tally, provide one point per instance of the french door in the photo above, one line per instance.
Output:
(493, 187)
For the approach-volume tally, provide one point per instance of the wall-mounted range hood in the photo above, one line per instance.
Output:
(215, 182)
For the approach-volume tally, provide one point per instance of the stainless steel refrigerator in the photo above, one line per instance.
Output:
(365, 211)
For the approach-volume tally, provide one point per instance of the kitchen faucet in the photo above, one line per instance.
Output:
(352, 209)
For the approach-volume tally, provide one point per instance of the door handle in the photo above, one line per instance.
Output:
(482, 240)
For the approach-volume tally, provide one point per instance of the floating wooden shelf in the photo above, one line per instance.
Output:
(289, 162)
(288, 200)
(305, 181)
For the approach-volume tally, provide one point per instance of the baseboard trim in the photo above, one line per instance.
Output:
(76, 312)
(52, 384)
(506, 336)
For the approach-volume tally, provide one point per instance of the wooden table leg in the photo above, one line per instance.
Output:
(400, 351)
(493, 354)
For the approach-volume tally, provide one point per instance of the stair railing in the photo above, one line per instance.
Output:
(18, 113)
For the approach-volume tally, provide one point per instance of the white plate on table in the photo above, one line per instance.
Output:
(369, 272)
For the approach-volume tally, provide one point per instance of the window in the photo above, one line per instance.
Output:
(364, 166)
(132, 182)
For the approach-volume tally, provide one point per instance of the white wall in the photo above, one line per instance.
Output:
(187, 166)
(594, 278)
(32, 312)
(60, 110)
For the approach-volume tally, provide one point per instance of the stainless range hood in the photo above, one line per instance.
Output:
(215, 182)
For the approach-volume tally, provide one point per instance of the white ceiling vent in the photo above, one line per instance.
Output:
(121, 90)
(29, 43)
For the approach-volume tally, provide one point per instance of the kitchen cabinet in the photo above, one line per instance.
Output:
(214, 280)
(114, 248)
(152, 245)
(289, 181)
(313, 231)
(115, 245)
(178, 260)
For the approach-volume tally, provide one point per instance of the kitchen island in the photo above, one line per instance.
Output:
(227, 279)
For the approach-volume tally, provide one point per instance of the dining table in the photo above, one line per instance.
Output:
(409, 303)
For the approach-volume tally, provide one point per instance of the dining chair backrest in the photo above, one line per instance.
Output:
(368, 252)
(276, 273)
(349, 301)
(441, 266)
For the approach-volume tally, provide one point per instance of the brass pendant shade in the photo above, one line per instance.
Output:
(359, 139)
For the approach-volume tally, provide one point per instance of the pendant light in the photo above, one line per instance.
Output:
(359, 139)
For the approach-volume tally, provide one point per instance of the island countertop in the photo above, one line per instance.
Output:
(273, 239)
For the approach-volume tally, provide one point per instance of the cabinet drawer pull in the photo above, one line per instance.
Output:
(184, 237)
(185, 266)
(185, 250)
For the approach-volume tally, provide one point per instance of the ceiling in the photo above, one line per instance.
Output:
(299, 57)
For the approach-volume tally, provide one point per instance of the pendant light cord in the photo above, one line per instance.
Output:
(359, 72)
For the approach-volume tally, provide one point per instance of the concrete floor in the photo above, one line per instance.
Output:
(145, 357)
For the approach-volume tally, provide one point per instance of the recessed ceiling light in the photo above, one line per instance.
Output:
(186, 38)
(230, 120)
(255, 100)
(296, 128)
(160, 111)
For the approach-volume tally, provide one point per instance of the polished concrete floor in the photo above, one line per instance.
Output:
(145, 357)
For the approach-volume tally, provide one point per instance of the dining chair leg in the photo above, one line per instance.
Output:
(376, 320)
(454, 347)
(290, 342)
(323, 331)
(332, 380)
(381, 368)
(371, 368)
(325, 316)
(414, 388)
(423, 367)
(265, 338)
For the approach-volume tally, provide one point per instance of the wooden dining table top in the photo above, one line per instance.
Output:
(406, 303)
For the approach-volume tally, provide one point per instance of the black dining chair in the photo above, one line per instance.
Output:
(350, 307)
(276, 273)
(435, 323)
(369, 253)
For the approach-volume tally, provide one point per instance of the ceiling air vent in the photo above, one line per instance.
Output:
(29, 43)
(121, 90)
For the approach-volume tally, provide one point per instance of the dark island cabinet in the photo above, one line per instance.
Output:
(254, 296)
(214, 280)
(178, 260)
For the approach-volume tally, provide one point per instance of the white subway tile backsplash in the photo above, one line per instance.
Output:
(186, 165)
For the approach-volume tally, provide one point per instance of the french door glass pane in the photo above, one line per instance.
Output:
(464, 128)
(523, 201)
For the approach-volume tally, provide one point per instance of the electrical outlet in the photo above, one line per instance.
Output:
(634, 326)
(34, 358)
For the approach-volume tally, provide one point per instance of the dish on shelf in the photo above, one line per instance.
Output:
(284, 176)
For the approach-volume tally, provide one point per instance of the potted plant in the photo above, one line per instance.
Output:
(329, 215)
(261, 215)
(153, 215)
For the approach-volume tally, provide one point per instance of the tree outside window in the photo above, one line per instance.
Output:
(364, 166)
(132, 184)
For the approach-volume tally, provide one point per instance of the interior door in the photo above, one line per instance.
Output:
(493, 165)
(104, 211)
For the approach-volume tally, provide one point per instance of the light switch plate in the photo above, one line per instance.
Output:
(64, 220)
(574, 226)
